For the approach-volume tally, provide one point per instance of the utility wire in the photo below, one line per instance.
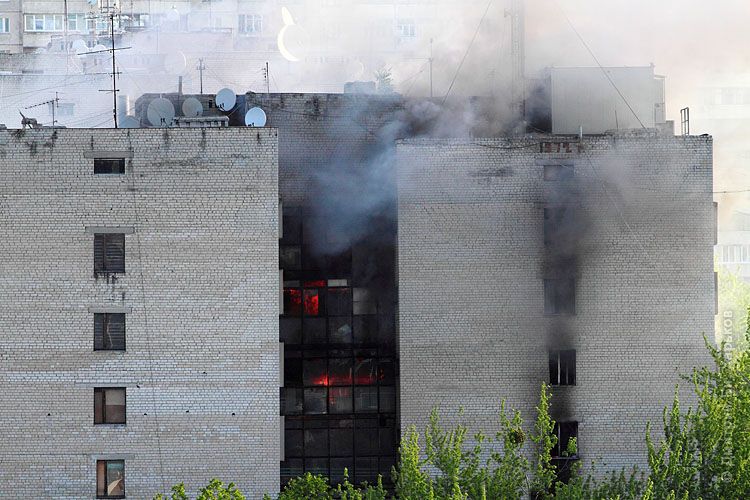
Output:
(468, 49)
(596, 60)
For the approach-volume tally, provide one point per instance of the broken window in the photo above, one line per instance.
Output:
(340, 400)
(315, 401)
(290, 258)
(109, 331)
(109, 253)
(562, 367)
(315, 373)
(567, 437)
(558, 172)
(312, 301)
(340, 330)
(109, 405)
(292, 302)
(110, 479)
(365, 399)
(340, 371)
(109, 165)
(559, 296)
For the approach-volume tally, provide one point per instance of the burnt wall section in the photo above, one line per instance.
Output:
(198, 210)
(636, 241)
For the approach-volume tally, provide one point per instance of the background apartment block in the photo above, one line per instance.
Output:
(139, 289)
(581, 262)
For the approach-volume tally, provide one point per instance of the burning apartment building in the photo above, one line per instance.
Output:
(309, 274)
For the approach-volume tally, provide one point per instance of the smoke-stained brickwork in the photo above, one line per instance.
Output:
(199, 212)
(473, 264)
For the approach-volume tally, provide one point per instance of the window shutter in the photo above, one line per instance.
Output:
(99, 327)
(115, 253)
(100, 241)
(116, 331)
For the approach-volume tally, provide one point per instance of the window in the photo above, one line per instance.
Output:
(77, 23)
(4, 25)
(109, 253)
(558, 172)
(43, 22)
(250, 24)
(562, 367)
(110, 479)
(109, 165)
(109, 405)
(565, 452)
(559, 296)
(405, 28)
(565, 447)
(109, 331)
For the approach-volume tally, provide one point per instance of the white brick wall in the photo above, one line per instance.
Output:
(471, 264)
(202, 339)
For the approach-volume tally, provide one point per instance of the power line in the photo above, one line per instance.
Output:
(468, 49)
(567, 19)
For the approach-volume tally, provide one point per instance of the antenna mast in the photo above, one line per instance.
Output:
(200, 68)
(517, 52)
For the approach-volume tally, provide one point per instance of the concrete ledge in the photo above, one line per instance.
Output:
(107, 154)
(110, 230)
(110, 309)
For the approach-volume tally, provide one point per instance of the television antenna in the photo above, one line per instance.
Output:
(112, 13)
(52, 102)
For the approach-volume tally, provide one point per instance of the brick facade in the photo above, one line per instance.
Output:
(472, 263)
(201, 367)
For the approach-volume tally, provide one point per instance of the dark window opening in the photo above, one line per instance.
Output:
(565, 452)
(109, 165)
(554, 219)
(562, 367)
(558, 172)
(110, 479)
(109, 332)
(109, 405)
(109, 253)
(559, 296)
(567, 440)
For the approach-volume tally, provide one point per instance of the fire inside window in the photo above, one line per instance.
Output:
(339, 397)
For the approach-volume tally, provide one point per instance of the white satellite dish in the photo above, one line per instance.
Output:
(129, 122)
(226, 99)
(160, 112)
(99, 48)
(81, 51)
(192, 107)
(255, 117)
(79, 45)
(175, 63)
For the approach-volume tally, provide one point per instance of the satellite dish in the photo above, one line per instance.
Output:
(192, 107)
(255, 117)
(129, 122)
(79, 45)
(175, 63)
(99, 48)
(173, 15)
(160, 112)
(226, 99)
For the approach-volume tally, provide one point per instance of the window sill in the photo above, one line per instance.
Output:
(108, 424)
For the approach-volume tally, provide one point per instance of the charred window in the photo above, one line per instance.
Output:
(558, 172)
(109, 253)
(565, 451)
(110, 479)
(559, 296)
(562, 367)
(109, 405)
(109, 332)
(340, 367)
(109, 165)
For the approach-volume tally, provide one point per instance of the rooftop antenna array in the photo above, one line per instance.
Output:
(111, 12)
(52, 102)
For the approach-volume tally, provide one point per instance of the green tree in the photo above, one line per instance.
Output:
(734, 300)
(214, 490)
